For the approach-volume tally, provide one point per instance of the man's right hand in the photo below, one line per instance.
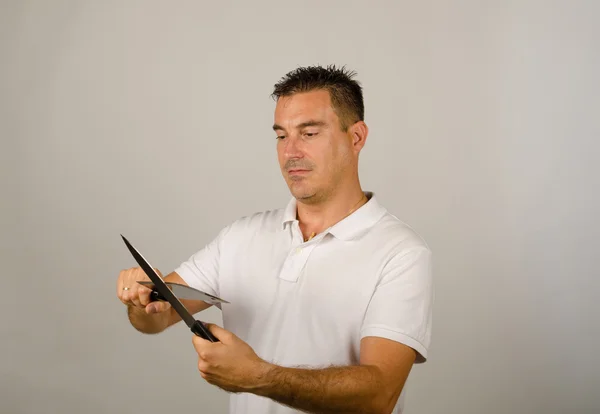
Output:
(147, 316)
(137, 296)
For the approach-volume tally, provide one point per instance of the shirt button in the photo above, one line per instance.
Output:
(298, 250)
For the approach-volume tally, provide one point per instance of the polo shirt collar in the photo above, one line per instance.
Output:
(346, 229)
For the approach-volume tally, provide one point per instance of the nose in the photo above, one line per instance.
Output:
(292, 147)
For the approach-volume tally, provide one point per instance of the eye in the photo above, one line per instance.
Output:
(280, 137)
(310, 134)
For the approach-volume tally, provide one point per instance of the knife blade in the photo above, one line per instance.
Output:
(182, 292)
(196, 326)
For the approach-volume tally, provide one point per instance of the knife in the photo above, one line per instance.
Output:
(196, 326)
(182, 292)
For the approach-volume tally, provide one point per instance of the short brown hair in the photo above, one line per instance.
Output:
(346, 93)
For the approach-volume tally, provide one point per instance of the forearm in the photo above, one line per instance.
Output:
(148, 323)
(347, 389)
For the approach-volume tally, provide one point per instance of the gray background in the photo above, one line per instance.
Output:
(152, 119)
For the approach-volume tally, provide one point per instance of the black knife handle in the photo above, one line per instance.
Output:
(202, 331)
(154, 295)
(198, 327)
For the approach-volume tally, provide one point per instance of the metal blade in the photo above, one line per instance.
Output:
(187, 292)
(160, 285)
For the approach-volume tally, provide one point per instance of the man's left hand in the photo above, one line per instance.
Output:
(230, 364)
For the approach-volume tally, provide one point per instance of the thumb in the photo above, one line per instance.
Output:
(158, 306)
(221, 334)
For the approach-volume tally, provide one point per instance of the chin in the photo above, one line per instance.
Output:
(300, 193)
(305, 195)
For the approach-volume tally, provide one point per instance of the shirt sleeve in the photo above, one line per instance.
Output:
(401, 306)
(201, 270)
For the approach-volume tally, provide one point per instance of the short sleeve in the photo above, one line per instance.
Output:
(201, 270)
(401, 306)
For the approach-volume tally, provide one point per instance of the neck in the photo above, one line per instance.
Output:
(316, 217)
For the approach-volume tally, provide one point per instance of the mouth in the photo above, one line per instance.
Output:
(298, 172)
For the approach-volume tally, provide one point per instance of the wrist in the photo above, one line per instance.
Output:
(265, 372)
(145, 322)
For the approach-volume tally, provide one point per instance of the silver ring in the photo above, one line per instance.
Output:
(125, 288)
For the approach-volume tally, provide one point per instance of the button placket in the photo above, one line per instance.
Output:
(296, 260)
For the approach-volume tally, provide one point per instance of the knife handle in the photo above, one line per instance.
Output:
(198, 327)
(154, 295)
(202, 331)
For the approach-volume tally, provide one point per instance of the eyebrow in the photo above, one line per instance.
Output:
(302, 125)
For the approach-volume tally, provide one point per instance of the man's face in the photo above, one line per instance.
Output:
(314, 153)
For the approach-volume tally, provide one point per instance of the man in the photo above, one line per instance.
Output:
(331, 296)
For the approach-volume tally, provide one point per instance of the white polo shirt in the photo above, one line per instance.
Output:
(309, 303)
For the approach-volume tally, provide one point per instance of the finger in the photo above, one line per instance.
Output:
(130, 294)
(144, 294)
(124, 296)
(203, 366)
(205, 371)
(135, 299)
(128, 297)
(121, 293)
(120, 279)
(201, 346)
(140, 274)
(124, 282)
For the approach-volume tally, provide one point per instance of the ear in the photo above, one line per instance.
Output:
(358, 132)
